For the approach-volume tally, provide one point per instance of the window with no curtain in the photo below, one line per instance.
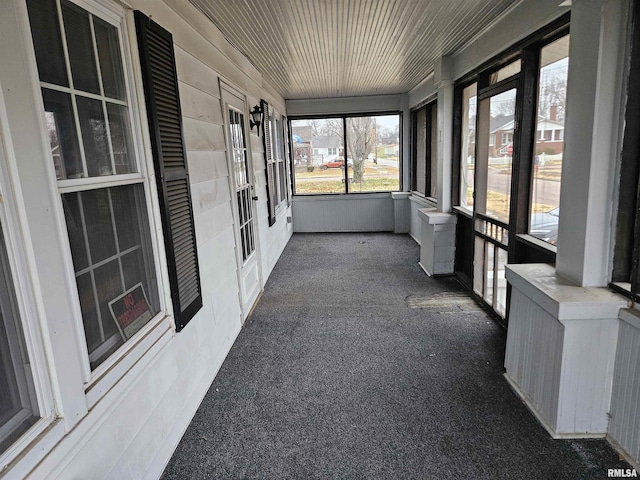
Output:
(425, 145)
(100, 177)
(549, 147)
(368, 161)
(18, 407)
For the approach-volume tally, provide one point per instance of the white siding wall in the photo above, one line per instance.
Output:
(624, 426)
(534, 355)
(340, 213)
(132, 430)
(416, 203)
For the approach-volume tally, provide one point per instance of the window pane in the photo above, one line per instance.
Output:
(420, 174)
(94, 137)
(552, 92)
(114, 223)
(121, 142)
(75, 230)
(63, 136)
(109, 56)
(18, 410)
(80, 46)
(47, 41)
(282, 180)
(98, 228)
(505, 72)
(373, 149)
(433, 154)
(319, 172)
(468, 145)
(498, 199)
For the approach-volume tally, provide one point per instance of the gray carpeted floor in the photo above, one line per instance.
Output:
(355, 364)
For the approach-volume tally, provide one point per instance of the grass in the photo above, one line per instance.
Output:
(499, 202)
(377, 178)
(368, 185)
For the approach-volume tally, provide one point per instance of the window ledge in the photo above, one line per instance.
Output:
(36, 444)
(463, 211)
(138, 352)
(536, 242)
(422, 200)
(339, 196)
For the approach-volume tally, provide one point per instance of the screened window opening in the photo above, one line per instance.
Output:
(18, 407)
(549, 146)
(468, 145)
(425, 145)
(90, 134)
(369, 161)
(497, 200)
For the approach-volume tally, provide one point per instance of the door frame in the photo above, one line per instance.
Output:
(226, 90)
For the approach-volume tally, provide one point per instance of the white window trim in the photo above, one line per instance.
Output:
(22, 268)
(109, 372)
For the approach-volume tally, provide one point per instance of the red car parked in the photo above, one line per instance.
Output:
(336, 163)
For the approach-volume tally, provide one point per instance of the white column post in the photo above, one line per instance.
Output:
(443, 81)
(598, 29)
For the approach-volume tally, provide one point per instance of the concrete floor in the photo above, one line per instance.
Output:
(355, 364)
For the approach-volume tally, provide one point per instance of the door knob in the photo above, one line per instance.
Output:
(255, 197)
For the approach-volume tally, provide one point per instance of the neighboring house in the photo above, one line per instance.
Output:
(549, 136)
(326, 146)
(391, 150)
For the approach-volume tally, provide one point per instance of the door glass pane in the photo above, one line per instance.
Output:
(478, 265)
(500, 156)
(80, 45)
(489, 272)
(18, 410)
(63, 136)
(47, 41)
(547, 167)
(318, 155)
(468, 145)
(501, 281)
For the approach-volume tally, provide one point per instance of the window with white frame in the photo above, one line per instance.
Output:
(275, 152)
(18, 406)
(101, 179)
(279, 156)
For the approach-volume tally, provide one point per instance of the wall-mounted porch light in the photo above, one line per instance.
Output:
(256, 118)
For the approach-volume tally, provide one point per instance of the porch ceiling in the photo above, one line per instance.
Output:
(336, 48)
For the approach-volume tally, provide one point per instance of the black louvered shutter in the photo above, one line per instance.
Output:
(272, 192)
(172, 175)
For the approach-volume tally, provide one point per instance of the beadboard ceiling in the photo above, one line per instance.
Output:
(338, 48)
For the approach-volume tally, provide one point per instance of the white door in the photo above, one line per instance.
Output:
(243, 198)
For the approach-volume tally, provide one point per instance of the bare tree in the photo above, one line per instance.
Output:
(360, 140)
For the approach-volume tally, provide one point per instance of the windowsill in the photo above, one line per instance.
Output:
(537, 243)
(623, 288)
(131, 353)
(32, 447)
(420, 199)
(463, 211)
(339, 196)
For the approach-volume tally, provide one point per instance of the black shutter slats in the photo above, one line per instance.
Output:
(268, 160)
(165, 126)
